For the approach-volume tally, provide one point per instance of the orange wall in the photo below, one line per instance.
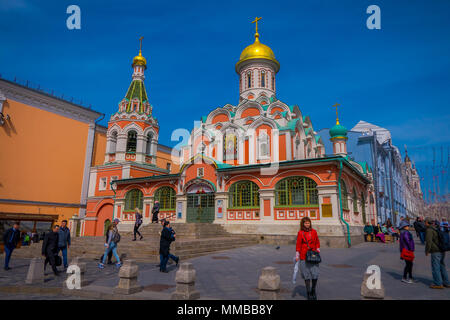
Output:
(99, 149)
(163, 158)
(43, 155)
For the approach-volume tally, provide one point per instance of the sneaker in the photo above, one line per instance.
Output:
(133, 240)
(434, 286)
(414, 280)
(447, 285)
(118, 264)
(405, 280)
(7, 268)
(101, 266)
(141, 238)
(178, 260)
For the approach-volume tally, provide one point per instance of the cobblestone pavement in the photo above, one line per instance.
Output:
(233, 274)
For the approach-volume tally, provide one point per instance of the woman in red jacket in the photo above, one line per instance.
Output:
(307, 236)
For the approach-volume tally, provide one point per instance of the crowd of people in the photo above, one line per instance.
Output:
(434, 235)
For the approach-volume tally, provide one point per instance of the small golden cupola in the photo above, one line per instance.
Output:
(257, 67)
(139, 60)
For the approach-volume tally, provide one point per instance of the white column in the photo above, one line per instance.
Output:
(121, 147)
(251, 148)
(140, 148)
(288, 146)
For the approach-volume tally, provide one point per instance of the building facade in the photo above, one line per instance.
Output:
(256, 168)
(395, 197)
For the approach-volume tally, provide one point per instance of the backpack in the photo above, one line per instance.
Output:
(444, 241)
(116, 237)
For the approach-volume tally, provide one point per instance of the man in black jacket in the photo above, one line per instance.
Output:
(167, 236)
(50, 249)
(10, 239)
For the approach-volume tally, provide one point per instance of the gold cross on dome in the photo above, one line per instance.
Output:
(336, 106)
(256, 23)
(140, 45)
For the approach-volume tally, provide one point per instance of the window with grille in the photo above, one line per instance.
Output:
(294, 191)
(134, 199)
(344, 195)
(355, 201)
(244, 194)
(200, 172)
(166, 197)
(131, 141)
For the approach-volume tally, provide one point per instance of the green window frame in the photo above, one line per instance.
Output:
(244, 194)
(296, 191)
(134, 199)
(355, 201)
(166, 197)
(344, 195)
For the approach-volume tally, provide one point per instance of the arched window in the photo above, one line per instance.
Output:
(273, 83)
(263, 79)
(244, 194)
(134, 199)
(294, 191)
(131, 141)
(355, 201)
(344, 195)
(249, 79)
(363, 207)
(148, 147)
(113, 142)
(166, 197)
(263, 145)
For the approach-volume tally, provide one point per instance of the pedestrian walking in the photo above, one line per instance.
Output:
(167, 236)
(406, 251)
(10, 240)
(155, 211)
(137, 224)
(50, 249)
(438, 269)
(111, 244)
(307, 252)
(110, 252)
(64, 241)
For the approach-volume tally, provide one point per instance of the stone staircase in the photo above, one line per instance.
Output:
(192, 240)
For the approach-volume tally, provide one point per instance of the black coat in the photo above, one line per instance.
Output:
(164, 243)
(15, 238)
(50, 244)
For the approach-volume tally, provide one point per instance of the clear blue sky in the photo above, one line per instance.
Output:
(397, 77)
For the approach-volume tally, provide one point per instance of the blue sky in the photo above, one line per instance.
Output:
(397, 77)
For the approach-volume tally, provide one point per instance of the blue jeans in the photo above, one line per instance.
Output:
(113, 248)
(8, 253)
(422, 237)
(438, 269)
(163, 260)
(64, 254)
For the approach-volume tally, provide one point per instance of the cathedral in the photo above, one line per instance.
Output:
(258, 167)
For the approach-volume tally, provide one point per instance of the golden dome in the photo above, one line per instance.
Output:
(139, 60)
(257, 50)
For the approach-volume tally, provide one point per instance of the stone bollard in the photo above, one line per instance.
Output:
(185, 279)
(77, 261)
(371, 286)
(269, 284)
(35, 271)
(128, 274)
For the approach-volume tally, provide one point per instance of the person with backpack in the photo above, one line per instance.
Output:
(406, 251)
(307, 252)
(167, 236)
(436, 245)
(111, 244)
(10, 240)
(137, 224)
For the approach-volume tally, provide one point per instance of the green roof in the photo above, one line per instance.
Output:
(307, 130)
(317, 138)
(204, 118)
(290, 125)
(136, 91)
(338, 131)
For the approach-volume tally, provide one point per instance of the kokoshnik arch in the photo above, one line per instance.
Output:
(256, 168)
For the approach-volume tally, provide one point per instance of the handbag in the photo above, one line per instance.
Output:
(407, 255)
(311, 255)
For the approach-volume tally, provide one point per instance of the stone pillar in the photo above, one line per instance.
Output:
(185, 279)
(266, 195)
(269, 284)
(370, 287)
(140, 148)
(128, 274)
(121, 147)
(35, 271)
